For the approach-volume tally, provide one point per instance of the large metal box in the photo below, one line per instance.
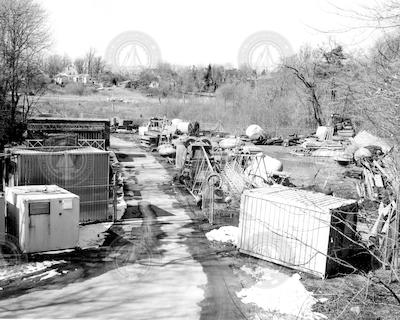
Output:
(43, 218)
(304, 230)
(82, 171)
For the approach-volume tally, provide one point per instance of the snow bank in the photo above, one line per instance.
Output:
(25, 269)
(50, 274)
(93, 235)
(224, 234)
(279, 293)
(121, 208)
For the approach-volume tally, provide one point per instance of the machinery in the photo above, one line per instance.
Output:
(151, 133)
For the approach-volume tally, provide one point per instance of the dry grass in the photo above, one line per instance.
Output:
(131, 104)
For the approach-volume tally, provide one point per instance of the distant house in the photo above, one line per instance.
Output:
(71, 75)
(84, 78)
(154, 84)
(61, 79)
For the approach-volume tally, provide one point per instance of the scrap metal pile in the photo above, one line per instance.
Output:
(377, 182)
(227, 175)
(217, 176)
(215, 168)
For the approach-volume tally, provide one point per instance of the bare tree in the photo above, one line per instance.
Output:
(54, 64)
(98, 66)
(79, 64)
(23, 38)
(90, 61)
(305, 68)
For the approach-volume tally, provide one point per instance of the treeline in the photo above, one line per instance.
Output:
(302, 93)
(92, 64)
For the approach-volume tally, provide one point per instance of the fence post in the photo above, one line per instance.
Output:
(115, 196)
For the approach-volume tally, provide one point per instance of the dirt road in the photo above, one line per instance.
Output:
(157, 264)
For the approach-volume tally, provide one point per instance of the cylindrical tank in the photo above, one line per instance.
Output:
(254, 132)
(183, 126)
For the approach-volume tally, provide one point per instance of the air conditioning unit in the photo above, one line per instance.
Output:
(42, 218)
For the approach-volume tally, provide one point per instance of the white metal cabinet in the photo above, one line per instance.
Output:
(43, 218)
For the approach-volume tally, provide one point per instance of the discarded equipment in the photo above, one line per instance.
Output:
(254, 132)
(43, 218)
(230, 143)
(166, 150)
(303, 230)
(150, 134)
(82, 171)
(88, 132)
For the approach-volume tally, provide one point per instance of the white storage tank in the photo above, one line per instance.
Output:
(42, 218)
(300, 229)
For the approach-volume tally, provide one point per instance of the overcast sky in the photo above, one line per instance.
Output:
(199, 32)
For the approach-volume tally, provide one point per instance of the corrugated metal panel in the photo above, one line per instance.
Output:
(274, 228)
(84, 172)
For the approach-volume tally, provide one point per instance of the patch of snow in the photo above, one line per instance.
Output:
(25, 269)
(56, 251)
(224, 234)
(93, 235)
(50, 274)
(121, 208)
(276, 292)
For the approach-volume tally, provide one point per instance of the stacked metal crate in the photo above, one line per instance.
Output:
(304, 230)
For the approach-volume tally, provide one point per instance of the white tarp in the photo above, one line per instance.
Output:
(365, 139)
